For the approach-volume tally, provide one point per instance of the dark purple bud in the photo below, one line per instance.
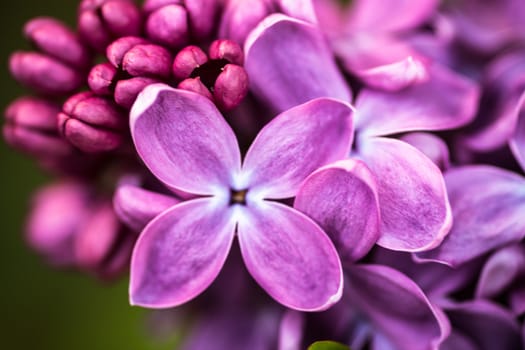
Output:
(92, 123)
(55, 39)
(101, 79)
(126, 91)
(168, 25)
(187, 60)
(231, 87)
(44, 74)
(226, 50)
(118, 261)
(31, 127)
(96, 238)
(195, 85)
(148, 60)
(116, 50)
(102, 21)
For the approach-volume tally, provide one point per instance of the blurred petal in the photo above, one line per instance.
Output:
(136, 206)
(289, 63)
(294, 144)
(380, 61)
(291, 330)
(517, 140)
(415, 212)
(489, 325)
(488, 205)
(290, 256)
(396, 306)
(500, 271)
(431, 145)
(389, 16)
(179, 254)
(342, 199)
(418, 107)
(184, 140)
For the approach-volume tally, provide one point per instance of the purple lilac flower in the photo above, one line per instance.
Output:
(186, 144)
(414, 212)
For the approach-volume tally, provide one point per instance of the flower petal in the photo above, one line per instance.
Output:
(290, 256)
(381, 62)
(342, 199)
(488, 324)
(179, 254)
(289, 63)
(294, 144)
(184, 140)
(418, 107)
(517, 141)
(431, 145)
(390, 16)
(136, 206)
(396, 306)
(415, 213)
(500, 271)
(488, 205)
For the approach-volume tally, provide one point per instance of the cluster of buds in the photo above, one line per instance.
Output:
(362, 160)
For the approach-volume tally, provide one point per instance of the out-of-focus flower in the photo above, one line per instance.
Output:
(286, 252)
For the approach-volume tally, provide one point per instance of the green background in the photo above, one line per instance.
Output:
(42, 308)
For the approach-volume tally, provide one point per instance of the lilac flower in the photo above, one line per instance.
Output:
(184, 141)
(414, 210)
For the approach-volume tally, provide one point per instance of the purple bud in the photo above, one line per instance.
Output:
(96, 237)
(168, 25)
(102, 21)
(92, 123)
(126, 91)
(195, 85)
(55, 39)
(118, 261)
(226, 50)
(101, 79)
(57, 212)
(202, 16)
(116, 50)
(44, 74)
(31, 127)
(148, 60)
(187, 60)
(231, 87)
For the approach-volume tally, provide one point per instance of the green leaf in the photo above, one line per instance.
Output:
(327, 345)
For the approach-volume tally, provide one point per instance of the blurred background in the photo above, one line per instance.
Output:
(42, 308)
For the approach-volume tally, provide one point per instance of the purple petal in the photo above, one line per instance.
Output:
(418, 107)
(342, 199)
(390, 16)
(136, 207)
(396, 306)
(179, 254)
(415, 213)
(431, 145)
(381, 62)
(500, 271)
(289, 63)
(296, 143)
(489, 325)
(517, 141)
(184, 140)
(488, 205)
(291, 330)
(289, 256)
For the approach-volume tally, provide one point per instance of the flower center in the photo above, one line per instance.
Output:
(238, 197)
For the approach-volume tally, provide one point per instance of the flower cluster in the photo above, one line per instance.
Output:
(283, 172)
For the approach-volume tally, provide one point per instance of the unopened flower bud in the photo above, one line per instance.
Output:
(102, 21)
(31, 126)
(44, 74)
(168, 26)
(101, 79)
(92, 123)
(220, 78)
(126, 91)
(55, 39)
